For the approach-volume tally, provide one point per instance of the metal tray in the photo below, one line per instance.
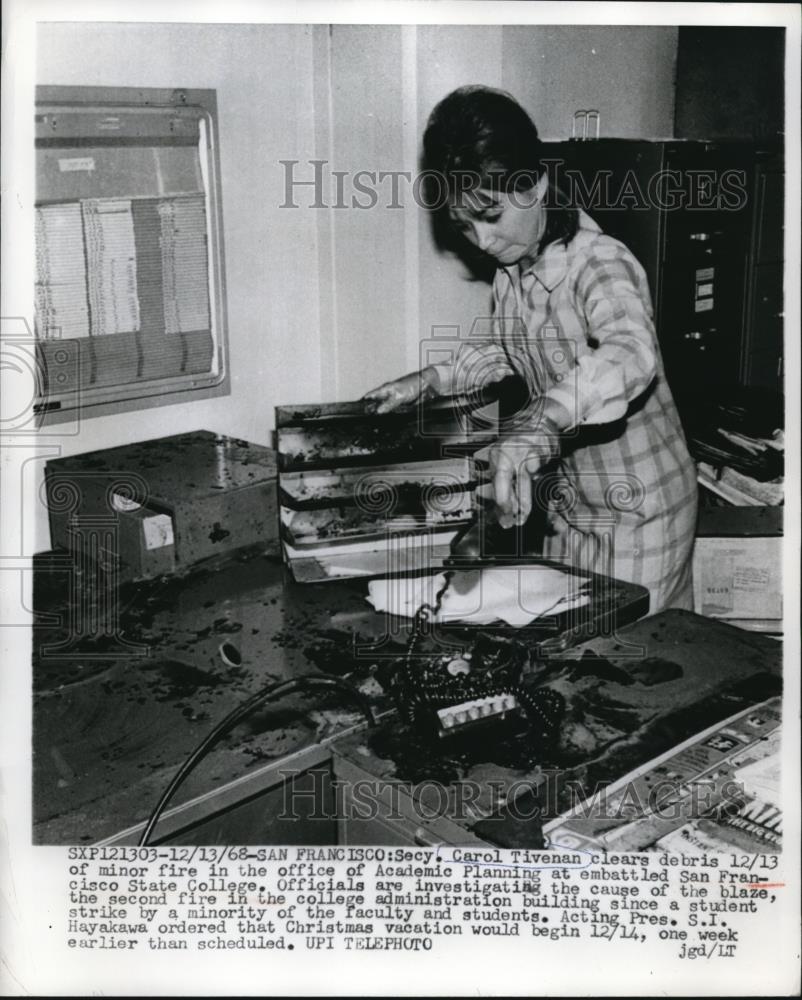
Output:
(406, 490)
(359, 410)
(338, 525)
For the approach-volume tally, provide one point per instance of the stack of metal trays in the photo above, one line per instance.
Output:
(363, 494)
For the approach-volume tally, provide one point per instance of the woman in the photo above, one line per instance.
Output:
(573, 318)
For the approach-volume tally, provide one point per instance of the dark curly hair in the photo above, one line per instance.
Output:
(479, 137)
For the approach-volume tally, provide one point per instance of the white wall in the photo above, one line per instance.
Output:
(624, 73)
(325, 303)
(450, 57)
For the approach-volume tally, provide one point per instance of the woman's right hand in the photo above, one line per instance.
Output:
(402, 392)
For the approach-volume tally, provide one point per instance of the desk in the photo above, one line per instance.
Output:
(112, 722)
(630, 697)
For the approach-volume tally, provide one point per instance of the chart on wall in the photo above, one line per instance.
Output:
(125, 233)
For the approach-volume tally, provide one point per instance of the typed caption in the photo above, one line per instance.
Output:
(410, 899)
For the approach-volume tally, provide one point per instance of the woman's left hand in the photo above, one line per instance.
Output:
(513, 462)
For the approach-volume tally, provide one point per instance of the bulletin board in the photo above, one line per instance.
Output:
(130, 277)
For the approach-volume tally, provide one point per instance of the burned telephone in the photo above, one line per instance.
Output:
(451, 695)
(446, 696)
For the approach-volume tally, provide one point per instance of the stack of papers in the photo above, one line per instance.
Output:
(185, 265)
(61, 307)
(516, 595)
(111, 265)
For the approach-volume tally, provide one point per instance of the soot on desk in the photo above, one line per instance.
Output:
(177, 679)
(596, 719)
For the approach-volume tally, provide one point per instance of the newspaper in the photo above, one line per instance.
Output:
(676, 871)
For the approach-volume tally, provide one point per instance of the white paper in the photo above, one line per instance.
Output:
(515, 595)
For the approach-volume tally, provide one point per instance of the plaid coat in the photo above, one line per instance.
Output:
(576, 323)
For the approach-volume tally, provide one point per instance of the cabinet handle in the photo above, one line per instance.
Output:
(424, 839)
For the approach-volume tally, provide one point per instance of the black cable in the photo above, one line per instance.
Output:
(272, 691)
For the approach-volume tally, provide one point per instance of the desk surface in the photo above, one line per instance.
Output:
(630, 698)
(114, 716)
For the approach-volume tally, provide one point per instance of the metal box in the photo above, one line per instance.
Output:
(163, 506)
